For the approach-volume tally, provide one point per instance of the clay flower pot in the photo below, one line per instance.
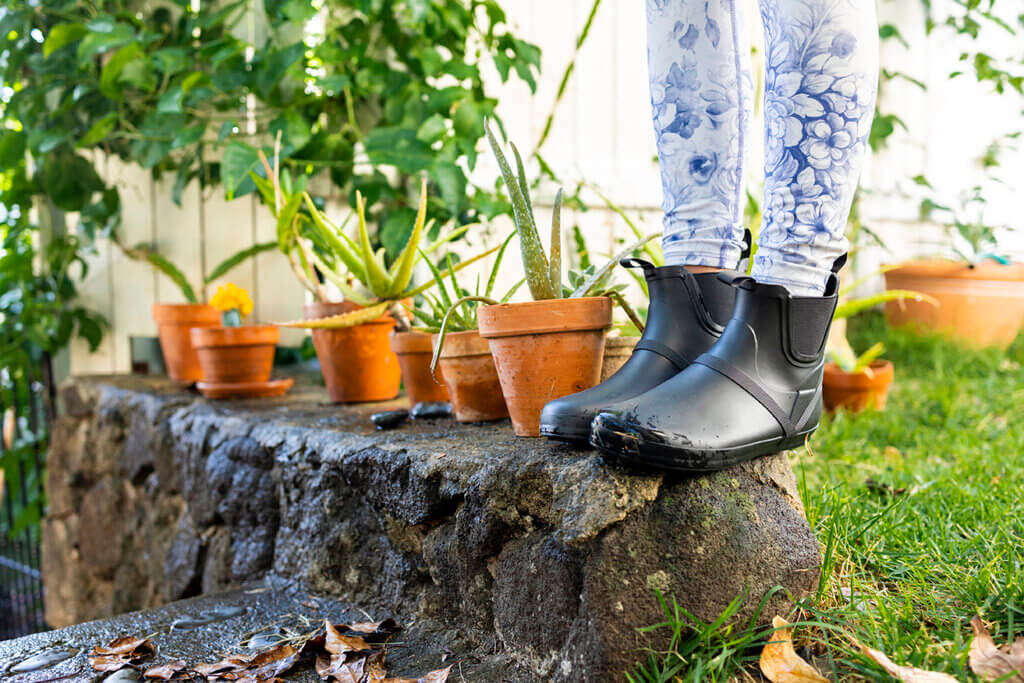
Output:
(414, 351)
(544, 350)
(617, 351)
(468, 369)
(357, 363)
(236, 355)
(979, 306)
(174, 323)
(857, 391)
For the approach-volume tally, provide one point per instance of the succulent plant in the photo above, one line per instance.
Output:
(315, 245)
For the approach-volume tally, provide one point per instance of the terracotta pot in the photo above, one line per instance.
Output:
(544, 350)
(857, 391)
(357, 363)
(617, 351)
(980, 306)
(236, 354)
(414, 351)
(175, 323)
(468, 369)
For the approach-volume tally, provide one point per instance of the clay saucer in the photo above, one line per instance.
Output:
(272, 387)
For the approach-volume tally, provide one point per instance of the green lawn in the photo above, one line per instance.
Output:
(920, 514)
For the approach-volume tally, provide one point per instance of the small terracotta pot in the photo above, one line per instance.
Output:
(857, 391)
(544, 350)
(979, 306)
(357, 363)
(617, 351)
(414, 351)
(175, 323)
(236, 354)
(468, 369)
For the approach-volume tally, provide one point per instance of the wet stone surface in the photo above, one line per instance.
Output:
(258, 609)
(533, 549)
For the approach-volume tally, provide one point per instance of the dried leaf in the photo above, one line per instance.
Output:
(439, 676)
(264, 666)
(337, 669)
(338, 644)
(385, 626)
(109, 662)
(375, 672)
(991, 662)
(165, 671)
(904, 673)
(230, 663)
(779, 661)
(119, 653)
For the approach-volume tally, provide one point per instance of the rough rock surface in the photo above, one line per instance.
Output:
(532, 547)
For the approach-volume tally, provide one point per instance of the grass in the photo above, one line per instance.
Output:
(920, 514)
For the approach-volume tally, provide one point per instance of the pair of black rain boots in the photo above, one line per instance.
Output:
(728, 369)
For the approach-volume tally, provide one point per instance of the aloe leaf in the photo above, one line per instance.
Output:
(512, 290)
(330, 234)
(334, 322)
(266, 190)
(225, 266)
(601, 273)
(170, 270)
(848, 308)
(285, 219)
(338, 281)
(451, 274)
(524, 187)
(444, 239)
(534, 262)
(376, 277)
(555, 250)
(630, 313)
(407, 259)
(442, 288)
(493, 277)
(444, 325)
(415, 291)
(868, 357)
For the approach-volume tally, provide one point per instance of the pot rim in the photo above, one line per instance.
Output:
(988, 269)
(411, 341)
(582, 314)
(337, 308)
(244, 335)
(183, 313)
(469, 342)
(883, 373)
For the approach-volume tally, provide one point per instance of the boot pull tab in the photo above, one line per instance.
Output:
(832, 285)
(748, 241)
(649, 268)
(838, 264)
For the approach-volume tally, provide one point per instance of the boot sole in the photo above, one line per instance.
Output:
(577, 433)
(632, 452)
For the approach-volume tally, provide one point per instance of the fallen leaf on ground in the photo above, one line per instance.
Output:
(335, 668)
(338, 644)
(119, 653)
(164, 671)
(906, 674)
(385, 626)
(439, 676)
(991, 662)
(264, 666)
(779, 661)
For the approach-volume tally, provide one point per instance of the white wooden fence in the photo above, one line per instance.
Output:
(602, 134)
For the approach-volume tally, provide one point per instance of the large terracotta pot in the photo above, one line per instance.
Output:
(544, 350)
(174, 323)
(236, 354)
(857, 391)
(979, 306)
(357, 363)
(414, 351)
(617, 351)
(468, 369)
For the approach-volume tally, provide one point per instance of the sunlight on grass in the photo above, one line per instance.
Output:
(920, 515)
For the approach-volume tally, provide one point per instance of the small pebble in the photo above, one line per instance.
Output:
(429, 411)
(389, 419)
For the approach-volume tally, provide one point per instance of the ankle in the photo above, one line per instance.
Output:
(703, 269)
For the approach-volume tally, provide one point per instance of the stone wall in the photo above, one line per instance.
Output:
(156, 494)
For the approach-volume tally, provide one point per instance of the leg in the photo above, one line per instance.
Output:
(701, 97)
(820, 86)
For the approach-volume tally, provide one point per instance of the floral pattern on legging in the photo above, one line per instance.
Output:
(820, 86)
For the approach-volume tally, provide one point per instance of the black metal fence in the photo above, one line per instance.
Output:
(27, 395)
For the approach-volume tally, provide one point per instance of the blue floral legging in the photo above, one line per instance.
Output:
(821, 71)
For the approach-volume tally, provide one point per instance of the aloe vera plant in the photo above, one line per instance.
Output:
(544, 271)
(315, 245)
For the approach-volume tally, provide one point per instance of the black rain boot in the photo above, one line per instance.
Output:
(757, 391)
(686, 316)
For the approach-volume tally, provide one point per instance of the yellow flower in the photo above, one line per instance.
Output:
(230, 296)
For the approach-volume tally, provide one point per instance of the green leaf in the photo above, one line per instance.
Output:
(225, 266)
(170, 270)
(12, 147)
(407, 258)
(274, 65)
(61, 35)
(451, 181)
(239, 159)
(188, 136)
(339, 242)
(112, 70)
(98, 132)
(294, 129)
(432, 130)
(69, 179)
(400, 148)
(226, 129)
(377, 278)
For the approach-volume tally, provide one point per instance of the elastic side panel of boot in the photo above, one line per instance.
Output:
(809, 322)
(719, 297)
